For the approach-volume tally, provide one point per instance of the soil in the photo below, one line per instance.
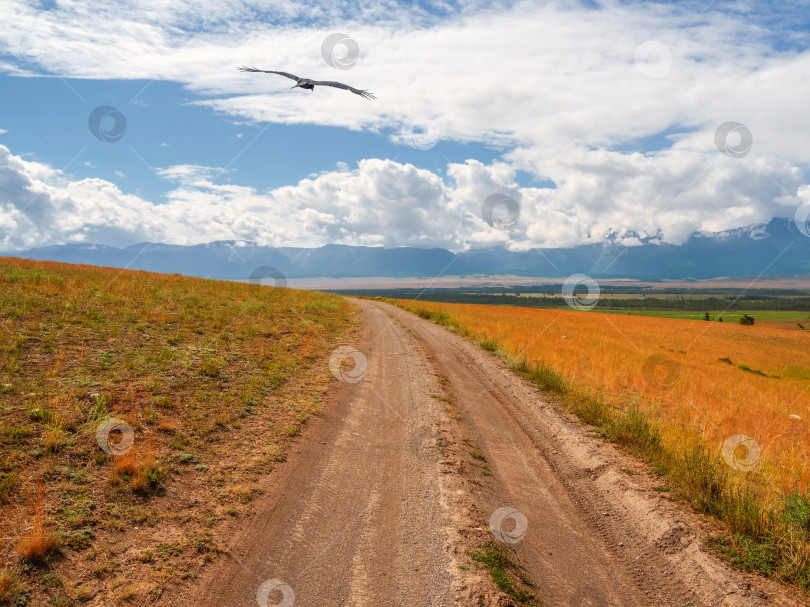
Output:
(390, 489)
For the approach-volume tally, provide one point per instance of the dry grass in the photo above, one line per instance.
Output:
(52, 439)
(7, 585)
(672, 370)
(144, 470)
(37, 539)
(670, 391)
(208, 375)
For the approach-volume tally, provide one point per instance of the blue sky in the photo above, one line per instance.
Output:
(162, 127)
(599, 118)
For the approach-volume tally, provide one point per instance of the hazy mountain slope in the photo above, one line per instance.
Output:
(777, 249)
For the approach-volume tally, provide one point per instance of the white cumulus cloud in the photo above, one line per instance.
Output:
(617, 105)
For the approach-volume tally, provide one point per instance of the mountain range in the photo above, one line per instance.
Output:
(775, 249)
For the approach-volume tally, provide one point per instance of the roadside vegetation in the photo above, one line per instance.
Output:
(775, 307)
(201, 385)
(510, 578)
(719, 411)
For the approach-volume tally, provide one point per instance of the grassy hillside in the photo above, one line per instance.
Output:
(207, 381)
(720, 410)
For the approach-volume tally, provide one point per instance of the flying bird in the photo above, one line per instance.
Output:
(306, 83)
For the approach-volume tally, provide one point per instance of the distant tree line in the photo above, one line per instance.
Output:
(686, 303)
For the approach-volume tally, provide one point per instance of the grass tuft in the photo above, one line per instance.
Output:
(478, 455)
(8, 585)
(38, 540)
(633, 428)
(503, 571)
(545, 377)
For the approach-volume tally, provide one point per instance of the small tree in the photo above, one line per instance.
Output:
(720, 319)
(745, 319)
(706, 316)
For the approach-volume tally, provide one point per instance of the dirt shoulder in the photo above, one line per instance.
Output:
(595, 535)
(399, 480)
(361, 513)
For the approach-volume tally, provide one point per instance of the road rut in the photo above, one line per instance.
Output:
(382, 501)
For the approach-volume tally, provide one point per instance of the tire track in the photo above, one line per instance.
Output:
(382, 500)
(595, 535)
(360, 514)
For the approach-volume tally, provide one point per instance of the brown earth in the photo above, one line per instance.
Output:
(391, 488)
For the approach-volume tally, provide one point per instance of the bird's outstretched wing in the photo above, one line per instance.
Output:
(285, 74)
(345, 87)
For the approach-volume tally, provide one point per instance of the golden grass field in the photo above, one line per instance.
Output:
(673, 370)
(214, 378)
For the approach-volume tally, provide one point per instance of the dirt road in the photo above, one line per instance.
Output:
(392, 487)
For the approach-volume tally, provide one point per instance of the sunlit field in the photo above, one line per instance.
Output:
(775, 319)
(718, 410)
(713, 379)
(212, 378)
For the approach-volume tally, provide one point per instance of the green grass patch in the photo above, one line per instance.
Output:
(440, 318)
(762, 316)
(505, 573)
(545, 377)
(490, 345)
(633, 429)
(756, 371)
(478, 455)
(795, 372)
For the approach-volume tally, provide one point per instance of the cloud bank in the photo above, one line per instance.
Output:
(619, 106)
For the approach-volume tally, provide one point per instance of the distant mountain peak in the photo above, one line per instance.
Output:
(777, 248)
